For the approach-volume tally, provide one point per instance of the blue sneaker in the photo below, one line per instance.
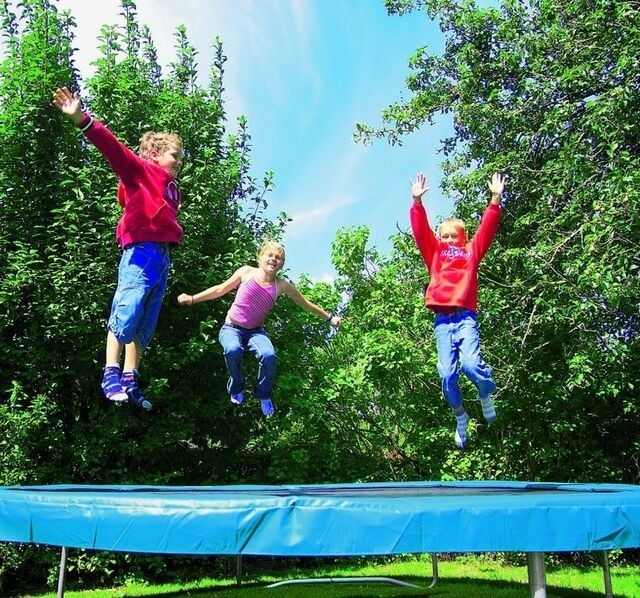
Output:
(129, 382)
(111, 386)
(237, 398)
(267, 407)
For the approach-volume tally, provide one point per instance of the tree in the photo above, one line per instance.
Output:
(58, 261)
(546, 92)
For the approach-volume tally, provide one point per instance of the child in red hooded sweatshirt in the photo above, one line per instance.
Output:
(452, 294)
(148, 229)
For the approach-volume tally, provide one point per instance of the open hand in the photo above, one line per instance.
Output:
(419, 186)
(496, 184)
(68, 103)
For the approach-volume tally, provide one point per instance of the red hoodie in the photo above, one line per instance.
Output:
(453, 268)
(147, 192)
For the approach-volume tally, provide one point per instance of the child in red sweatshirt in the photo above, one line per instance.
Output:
(452, 294)
(146, 232)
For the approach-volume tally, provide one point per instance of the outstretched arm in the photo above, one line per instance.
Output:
(123, 161)
(490, 219)
(216, 291)
(291, 291)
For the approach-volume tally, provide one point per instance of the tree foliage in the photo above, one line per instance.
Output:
(546, 92)
(58, 260)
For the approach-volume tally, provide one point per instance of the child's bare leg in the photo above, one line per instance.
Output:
(132, 354)
(114, 350)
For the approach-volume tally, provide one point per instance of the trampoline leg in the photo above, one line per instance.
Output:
(434, 569)
(606, 572)
(238, 569)
(63, 571)
(537, 581)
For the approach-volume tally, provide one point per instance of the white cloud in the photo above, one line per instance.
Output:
(316, 215)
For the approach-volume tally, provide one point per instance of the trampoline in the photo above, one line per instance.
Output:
(328, 520)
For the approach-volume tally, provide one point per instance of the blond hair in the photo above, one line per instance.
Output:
(158, 142)
(455, 222)
(269, 245)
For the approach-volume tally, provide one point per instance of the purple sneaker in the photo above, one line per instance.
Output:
(129, 382)
(111, 386)
(237, 398)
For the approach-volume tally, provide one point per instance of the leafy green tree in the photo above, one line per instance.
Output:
(58, 261)
(546, 92)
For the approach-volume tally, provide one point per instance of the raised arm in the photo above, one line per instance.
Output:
(490, 219)
(422, 233)
(288, 289)
(123, 161)
(216, 291)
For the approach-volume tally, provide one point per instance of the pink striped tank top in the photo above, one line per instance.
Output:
(252, 304)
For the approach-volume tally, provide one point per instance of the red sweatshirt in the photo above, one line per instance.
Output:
(147, 192)
(453, 269)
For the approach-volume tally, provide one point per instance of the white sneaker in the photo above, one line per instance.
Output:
(461, 430)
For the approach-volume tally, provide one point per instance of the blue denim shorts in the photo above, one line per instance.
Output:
(142, 281)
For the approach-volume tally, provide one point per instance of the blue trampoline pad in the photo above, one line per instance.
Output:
(326, 520)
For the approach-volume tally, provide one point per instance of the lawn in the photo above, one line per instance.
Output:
(464, 576)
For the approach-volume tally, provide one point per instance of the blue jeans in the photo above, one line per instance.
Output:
(142, 281)
(235, 341)
(458, 343)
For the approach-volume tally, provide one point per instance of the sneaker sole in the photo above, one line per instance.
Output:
(119, 397)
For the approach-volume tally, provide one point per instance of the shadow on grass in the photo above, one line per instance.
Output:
(446, 588)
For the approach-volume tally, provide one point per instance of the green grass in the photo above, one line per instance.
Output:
(464, 576)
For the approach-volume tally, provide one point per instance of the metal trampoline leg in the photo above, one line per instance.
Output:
(63, 572)
(434, 569)
(537, 581)
(238, 569)
(606, 572)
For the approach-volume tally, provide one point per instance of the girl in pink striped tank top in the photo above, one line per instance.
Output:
(257, 292)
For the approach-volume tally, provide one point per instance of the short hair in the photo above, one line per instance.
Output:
(456, 222)
(158, 142)
(269, 245)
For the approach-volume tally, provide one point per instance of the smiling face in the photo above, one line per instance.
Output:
(164, 149)
(452, 232)
(271, 257)
(169, 159)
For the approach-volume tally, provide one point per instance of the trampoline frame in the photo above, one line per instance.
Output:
(330, 520)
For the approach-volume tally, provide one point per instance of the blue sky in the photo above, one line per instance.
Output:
(304, 72)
